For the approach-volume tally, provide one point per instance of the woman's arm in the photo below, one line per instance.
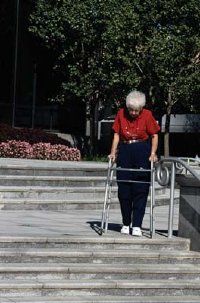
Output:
(154, 145)
(115, 143)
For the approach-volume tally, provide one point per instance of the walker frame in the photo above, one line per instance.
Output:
(108, 191)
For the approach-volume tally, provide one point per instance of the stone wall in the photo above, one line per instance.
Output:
(189, 213)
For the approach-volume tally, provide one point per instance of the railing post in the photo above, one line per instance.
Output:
(152, 200)
(171, 206)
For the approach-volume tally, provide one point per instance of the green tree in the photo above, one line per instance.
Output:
(90, 40)
(172, 56)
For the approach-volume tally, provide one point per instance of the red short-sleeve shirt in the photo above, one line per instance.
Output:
(139, 129)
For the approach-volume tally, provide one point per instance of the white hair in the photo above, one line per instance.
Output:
(135, 100)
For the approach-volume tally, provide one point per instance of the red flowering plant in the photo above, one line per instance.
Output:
(55, 152)
(35, 144)
(16, 149)
(43, 151)
(64, 153)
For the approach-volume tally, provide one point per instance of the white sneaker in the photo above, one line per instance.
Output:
(136, 231)
(125, 230)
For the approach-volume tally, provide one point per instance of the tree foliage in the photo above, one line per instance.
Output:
(173, 49)
(90, 39)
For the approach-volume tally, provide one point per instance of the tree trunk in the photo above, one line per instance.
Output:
(94, 127)
(92, 113)
(91, 127)
(166, 136)
(92, 131)
(96, 119)
(167, 124)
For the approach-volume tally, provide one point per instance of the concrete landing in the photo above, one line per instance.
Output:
(73, 222)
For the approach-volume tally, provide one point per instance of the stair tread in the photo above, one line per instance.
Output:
(94, 253)
(114, 200)
(51, 164)
(92, 239)
(104, 299)
(101, 283)
(102, 268)
(44, 188)
(157, 186)
(60, 178)
(70, 178)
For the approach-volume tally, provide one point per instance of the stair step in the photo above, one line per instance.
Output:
(72, 189)
(40, 192)
(99, 287)
(31, 193)
(52, 168)
(68, 193)
(68, 271)
(101, 242)
(58, 181)
(105, 299)
(135, 256)
(48, 204)
(77, 181)
(34, 171)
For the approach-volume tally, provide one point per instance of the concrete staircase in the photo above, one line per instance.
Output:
(34, 185)
(98, 269)
(43, 263)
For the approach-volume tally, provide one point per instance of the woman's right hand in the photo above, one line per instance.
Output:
(112, 157)
(113, 152)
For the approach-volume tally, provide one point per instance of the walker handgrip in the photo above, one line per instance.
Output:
(109, 163)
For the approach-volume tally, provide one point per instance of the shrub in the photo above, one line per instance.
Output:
(16, 149)
(31, 136)
(55, 152)
(43, 151)
(64, 153)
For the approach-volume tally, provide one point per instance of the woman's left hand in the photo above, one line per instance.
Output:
(153, 157)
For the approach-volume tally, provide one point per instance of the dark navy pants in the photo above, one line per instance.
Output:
(133, 196)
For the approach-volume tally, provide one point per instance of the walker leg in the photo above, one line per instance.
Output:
(104, 223)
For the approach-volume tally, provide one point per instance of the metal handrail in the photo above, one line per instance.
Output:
(164, 176)
(193, 161)
(180, 164)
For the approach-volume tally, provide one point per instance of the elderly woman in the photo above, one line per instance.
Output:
(134, 146)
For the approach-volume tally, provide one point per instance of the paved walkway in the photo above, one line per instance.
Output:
(72, 222)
